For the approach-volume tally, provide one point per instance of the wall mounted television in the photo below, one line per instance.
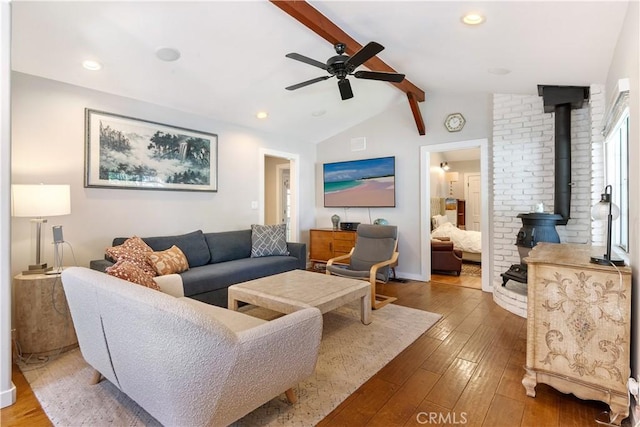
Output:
(365, 183)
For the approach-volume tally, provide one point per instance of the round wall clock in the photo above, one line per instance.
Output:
(454, 122)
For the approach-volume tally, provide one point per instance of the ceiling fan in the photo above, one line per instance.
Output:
(342, 65)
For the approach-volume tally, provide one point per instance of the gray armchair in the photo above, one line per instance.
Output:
(372, 258)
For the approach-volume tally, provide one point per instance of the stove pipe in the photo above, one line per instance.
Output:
(561, 100)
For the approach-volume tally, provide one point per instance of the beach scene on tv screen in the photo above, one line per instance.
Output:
(360, 183)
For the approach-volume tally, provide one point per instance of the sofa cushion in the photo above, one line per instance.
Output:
(134, 250)
(268, 240)
(128, 270)
(229, 245)
(220, 275)
(168, 262)
(193, 245)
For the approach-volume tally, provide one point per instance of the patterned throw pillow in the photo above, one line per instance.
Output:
(268, 240)
(134, 250)
(127, 270)
(170, 261)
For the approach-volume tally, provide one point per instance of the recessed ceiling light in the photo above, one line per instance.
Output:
(91, 65)
(473, 19)
(167, 54)
(318, 113)
(499, 71)
(262, 115)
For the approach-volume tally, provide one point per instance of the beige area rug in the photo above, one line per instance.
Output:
(349, 355)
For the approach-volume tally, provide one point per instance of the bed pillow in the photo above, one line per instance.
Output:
(268, 240)
(438, 220)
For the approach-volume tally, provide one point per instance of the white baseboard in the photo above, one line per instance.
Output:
(8, 397)
(409, 276)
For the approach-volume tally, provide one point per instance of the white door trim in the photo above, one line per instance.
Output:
(425, 220)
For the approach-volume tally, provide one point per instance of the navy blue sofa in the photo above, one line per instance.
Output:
(217, 261)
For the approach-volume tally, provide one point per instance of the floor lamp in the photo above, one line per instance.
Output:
(37, 202)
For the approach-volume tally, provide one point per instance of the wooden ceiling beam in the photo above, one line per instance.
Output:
(311, 18)
(417, 116)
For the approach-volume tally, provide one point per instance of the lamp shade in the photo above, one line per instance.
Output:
(40, 200)
(452, 176)
(600, 211)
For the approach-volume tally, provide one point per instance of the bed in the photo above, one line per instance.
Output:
(468, 241)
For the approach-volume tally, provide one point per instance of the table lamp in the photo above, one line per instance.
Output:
(39, 201)
(606, 209)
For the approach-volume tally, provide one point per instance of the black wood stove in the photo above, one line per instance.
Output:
(536, 227)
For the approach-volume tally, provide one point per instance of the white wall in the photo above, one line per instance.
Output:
(48, 147)
(7, 389)
(394, 134)
(626, 64)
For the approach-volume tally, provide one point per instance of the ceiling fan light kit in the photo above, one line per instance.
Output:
(341, 66)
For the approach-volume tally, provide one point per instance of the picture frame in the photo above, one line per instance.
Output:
(129, 153)
(364, 183)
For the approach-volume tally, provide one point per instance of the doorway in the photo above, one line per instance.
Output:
(283, 196)
(278, 195)
(427, 187)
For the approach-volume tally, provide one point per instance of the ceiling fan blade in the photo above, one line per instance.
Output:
(307, 83)
(363, 55)
(345, 89)
(306, 60)
(378, 75)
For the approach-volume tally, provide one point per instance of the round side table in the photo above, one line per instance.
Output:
(42, 319)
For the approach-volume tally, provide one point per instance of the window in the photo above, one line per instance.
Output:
(616, 146)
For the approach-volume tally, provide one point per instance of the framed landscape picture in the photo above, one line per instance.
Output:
(124, 152)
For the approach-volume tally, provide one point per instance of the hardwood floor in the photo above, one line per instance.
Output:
(466, 370)
(27, 410)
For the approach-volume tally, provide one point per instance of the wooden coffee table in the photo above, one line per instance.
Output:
(293, 290)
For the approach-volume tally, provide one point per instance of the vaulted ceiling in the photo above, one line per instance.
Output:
(233, 62)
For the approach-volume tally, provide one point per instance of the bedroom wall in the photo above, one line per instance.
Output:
(48, 147)
(437, 184)
(462, 167)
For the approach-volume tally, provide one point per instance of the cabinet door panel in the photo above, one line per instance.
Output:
(321, 245)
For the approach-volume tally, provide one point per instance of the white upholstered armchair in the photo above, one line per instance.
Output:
(183, 361)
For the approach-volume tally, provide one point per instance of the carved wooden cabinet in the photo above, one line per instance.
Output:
(578, 325)
(326, 243)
